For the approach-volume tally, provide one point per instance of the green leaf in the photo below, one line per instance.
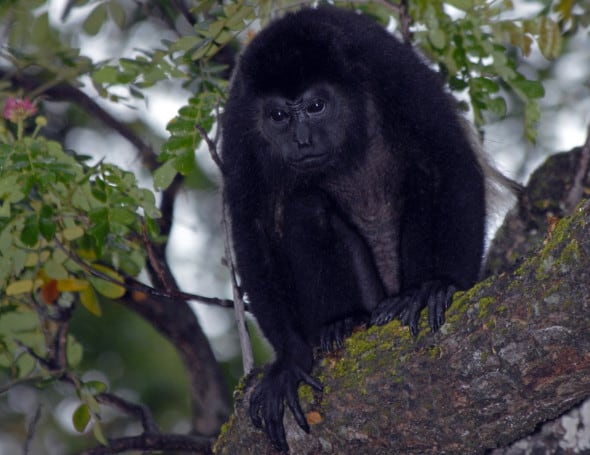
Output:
(122, 216)
(179, 126)
(463, 5)
(99, 233)
(89, 301)
(55, 270)
(72, 233)
(164, 175)
(95, 19)
(96, 386)
(107, 288)
(497, 106)
(153, 228)
(5, 209)
(438, 38)
(530, 89)
(532, 113)
(47, 225)
(19, 287)
(30, 233)
(105, 75)
(484, 84)
(185, 163)
(81, 418)
(550, 39)
(74, 351)
(175, 143)
(117, 13)
(98, 434)
(185, 43)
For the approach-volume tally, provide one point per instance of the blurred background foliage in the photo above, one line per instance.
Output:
(105, 104)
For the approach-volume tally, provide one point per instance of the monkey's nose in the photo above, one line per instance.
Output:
(302, 134)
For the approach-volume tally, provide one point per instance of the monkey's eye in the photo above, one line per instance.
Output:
(316, 106)
(278, 115)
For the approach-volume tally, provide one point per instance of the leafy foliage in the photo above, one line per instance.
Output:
(69, 230)
(62, 223)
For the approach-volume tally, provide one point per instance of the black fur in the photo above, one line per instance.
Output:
(349, 177)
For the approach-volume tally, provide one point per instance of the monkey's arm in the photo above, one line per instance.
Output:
(266, 282)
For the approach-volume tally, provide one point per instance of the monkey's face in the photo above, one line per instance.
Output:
(309, 131)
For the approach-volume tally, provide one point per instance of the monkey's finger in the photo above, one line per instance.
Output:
(436, 309)
(327, 338)
(387, 310)
(295, 407)
(276, 433)
(311, 381)
(274, 425)
(254, 409)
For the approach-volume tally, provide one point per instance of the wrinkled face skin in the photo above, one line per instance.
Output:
(309, 131)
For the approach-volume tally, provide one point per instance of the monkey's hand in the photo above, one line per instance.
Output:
(435, 295)
(332, 335)
(267, 406)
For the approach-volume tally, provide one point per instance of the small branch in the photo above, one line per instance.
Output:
(239, 307)
(136, 410)
(577, 190)
(60, 343)
(154, 260)
(211, 146)
(151, 442)
(131, 284)
(405, 21)
(31, 430)
(48, 365)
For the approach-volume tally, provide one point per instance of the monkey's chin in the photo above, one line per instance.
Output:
(310, 162)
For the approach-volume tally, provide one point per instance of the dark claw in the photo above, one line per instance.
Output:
(387, 310)
(435, 295)
(332, 335)
(279, 385)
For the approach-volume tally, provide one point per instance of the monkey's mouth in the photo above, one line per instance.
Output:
(308, 162)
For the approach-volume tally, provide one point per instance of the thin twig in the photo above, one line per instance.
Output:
(239, 307)
(139, 411)
(31, 430)
(152, 442)
(405, 21)
(211, 146)
(131, 284)
(155, 263)
(48, 365)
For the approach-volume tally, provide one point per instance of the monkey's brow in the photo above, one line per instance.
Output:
(297, 104)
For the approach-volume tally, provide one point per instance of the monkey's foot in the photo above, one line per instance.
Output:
(332, 335)
(434, 295)
(267, 402)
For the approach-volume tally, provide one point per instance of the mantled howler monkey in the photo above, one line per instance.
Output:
(353, 189)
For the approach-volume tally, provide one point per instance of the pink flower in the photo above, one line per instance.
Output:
(18, 109)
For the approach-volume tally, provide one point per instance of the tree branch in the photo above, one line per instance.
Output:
(514, 352)
(158, 442)
(138, 411)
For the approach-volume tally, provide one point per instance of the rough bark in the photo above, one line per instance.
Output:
(515, 352)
